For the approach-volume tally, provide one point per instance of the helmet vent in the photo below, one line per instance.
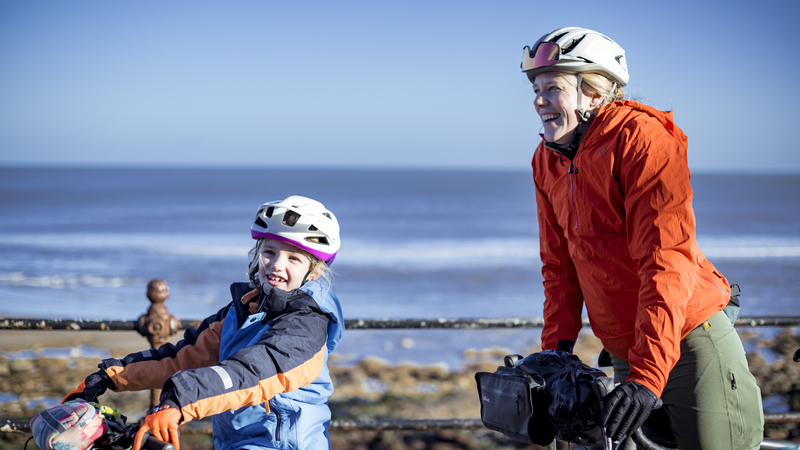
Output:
(318, 240)
(269, 211)
(327, 214)
(572, 44)
(290, 218)
(557, 37)
(312, 228)
(260, 222)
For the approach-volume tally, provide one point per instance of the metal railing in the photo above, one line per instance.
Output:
(7, 323)
(157, 325)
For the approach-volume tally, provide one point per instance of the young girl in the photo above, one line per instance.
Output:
(259, 364)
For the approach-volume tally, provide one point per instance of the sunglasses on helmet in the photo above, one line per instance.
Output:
(544, 55)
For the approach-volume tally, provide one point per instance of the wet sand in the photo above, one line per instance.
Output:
(116, 341)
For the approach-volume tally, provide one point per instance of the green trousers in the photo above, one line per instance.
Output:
(711, 398)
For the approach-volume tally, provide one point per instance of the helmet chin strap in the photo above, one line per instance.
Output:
(582, 113)
(585, 117)
(310, 269)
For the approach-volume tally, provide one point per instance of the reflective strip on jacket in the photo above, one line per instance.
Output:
(617, 233)
(262, 375)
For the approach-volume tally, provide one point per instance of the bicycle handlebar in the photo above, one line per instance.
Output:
(151, 443)
(127, 434)
(644, 443)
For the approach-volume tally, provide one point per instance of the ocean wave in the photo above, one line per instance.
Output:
(475, 250)
(362, 252)
(64, 281)
(441, 254)
(68, 353)
(498, 252)
(211, 245)
(207, 250)
(751, 252)
(737, 247)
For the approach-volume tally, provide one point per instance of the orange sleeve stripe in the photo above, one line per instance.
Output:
(296, 378)
(153, 374)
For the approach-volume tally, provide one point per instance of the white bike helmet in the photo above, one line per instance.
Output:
(578, 50)
(302, 222)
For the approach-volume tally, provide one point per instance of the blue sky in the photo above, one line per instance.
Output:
(373, 84)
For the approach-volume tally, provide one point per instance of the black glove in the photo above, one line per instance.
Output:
(565, 345)
(92, 387)
(626, 408)
(604, 359)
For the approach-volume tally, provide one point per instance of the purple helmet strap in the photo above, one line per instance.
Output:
(324, 257)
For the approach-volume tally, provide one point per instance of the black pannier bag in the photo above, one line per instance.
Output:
(545, 395)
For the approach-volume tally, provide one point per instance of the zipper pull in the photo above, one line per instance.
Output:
(733, 382)
(570, 167)
(518, 408)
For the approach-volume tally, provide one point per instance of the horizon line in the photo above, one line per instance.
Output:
(342, 167)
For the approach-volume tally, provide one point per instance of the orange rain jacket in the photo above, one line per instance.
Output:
(617, 233)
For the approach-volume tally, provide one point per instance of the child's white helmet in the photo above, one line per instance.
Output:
(578, 50)
(302, 222)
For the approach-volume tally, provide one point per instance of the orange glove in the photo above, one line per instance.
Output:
(92, 387)
(78, 392)
(162, 422)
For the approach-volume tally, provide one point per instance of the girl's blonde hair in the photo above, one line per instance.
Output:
(316, 264)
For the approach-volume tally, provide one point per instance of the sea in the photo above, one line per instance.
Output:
(84, 243)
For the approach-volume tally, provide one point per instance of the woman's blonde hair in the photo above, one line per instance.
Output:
(597, 84)
(317, 265)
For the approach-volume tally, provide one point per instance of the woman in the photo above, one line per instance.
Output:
(617, 234)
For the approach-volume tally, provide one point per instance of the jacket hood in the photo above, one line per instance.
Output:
(609, 118)
(322, 293)
(625, 110)
(277, 300)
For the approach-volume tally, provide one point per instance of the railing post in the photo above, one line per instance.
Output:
(158, 324)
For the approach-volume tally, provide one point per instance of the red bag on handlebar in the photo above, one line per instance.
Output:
(73, 425)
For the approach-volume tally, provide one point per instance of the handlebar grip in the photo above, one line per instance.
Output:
(644, 443)
(796, 356)
(151, 443)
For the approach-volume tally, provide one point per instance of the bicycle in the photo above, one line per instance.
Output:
(515, 400)
(110, 424)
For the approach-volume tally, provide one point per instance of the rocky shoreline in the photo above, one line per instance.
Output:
(32, 379)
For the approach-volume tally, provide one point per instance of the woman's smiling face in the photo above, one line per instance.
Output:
(556, 103)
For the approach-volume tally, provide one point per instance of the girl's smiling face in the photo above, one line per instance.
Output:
(283, 265)
(556, 103)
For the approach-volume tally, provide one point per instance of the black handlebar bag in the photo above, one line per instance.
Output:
(545, 395)
(512, 403)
